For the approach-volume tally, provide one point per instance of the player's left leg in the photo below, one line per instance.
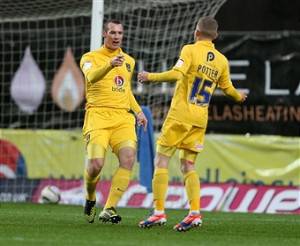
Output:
(191, 146)
(192, 187)
(123, 143)
(119, 184)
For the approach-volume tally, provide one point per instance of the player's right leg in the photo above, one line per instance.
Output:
(95, 153)
(91, 178)
(159, 186)
(90, 210)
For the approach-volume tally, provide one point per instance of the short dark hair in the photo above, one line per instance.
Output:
(208, 26)
(105, 27)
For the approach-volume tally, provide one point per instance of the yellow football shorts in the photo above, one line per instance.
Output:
(179, 135)
(105, 127)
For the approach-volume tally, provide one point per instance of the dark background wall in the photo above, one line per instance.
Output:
(259, 15)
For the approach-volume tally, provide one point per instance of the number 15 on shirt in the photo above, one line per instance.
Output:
(201, 92)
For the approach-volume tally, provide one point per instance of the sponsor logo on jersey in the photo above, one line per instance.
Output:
(179, 63)
(118, 89)
(128, 67)
(210, 56)
(119, 80)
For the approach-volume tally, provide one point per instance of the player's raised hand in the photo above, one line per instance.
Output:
(117, 61)
(142, 76)
(142, 120)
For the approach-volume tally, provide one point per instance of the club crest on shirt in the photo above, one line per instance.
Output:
(128, 67)
(119, 80)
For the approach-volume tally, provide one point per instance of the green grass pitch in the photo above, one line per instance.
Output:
(35, 224)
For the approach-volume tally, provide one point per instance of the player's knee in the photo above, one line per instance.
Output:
(187, 159)
(94, 167)
(127, 158)
(187, 166)
(161, 160)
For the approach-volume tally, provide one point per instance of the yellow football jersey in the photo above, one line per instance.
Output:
(114, 89)
(204, 68)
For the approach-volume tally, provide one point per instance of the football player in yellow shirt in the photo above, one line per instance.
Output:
(108, 120)
(198, 72)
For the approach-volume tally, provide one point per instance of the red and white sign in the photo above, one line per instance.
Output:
(214, 197)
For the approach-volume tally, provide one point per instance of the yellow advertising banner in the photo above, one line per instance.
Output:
(261, 159)
(52, 153)
(273, 160)
(48, 153)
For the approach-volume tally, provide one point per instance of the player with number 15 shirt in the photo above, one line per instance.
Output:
(203, 68)
(199, 70)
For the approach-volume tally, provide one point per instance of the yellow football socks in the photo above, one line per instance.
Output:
(192, 186)
(160, 186)
(90, 186)
(119, 185)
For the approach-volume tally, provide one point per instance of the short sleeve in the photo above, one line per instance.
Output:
(86, 63)
(183, 63)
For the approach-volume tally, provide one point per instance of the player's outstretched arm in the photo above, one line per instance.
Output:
(234, 94)
(243, 97)
(170, 75)
(226, 85)
(94, 74)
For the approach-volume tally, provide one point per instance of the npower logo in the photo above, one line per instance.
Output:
(223, 197)
(214, 197)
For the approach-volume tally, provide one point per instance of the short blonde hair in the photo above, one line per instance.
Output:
(208, 26)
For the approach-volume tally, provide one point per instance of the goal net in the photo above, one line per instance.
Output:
(45, 29)
(41, 85)
(155, 31)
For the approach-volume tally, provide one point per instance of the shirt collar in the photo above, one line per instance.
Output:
(110, 53)
(206, 43)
